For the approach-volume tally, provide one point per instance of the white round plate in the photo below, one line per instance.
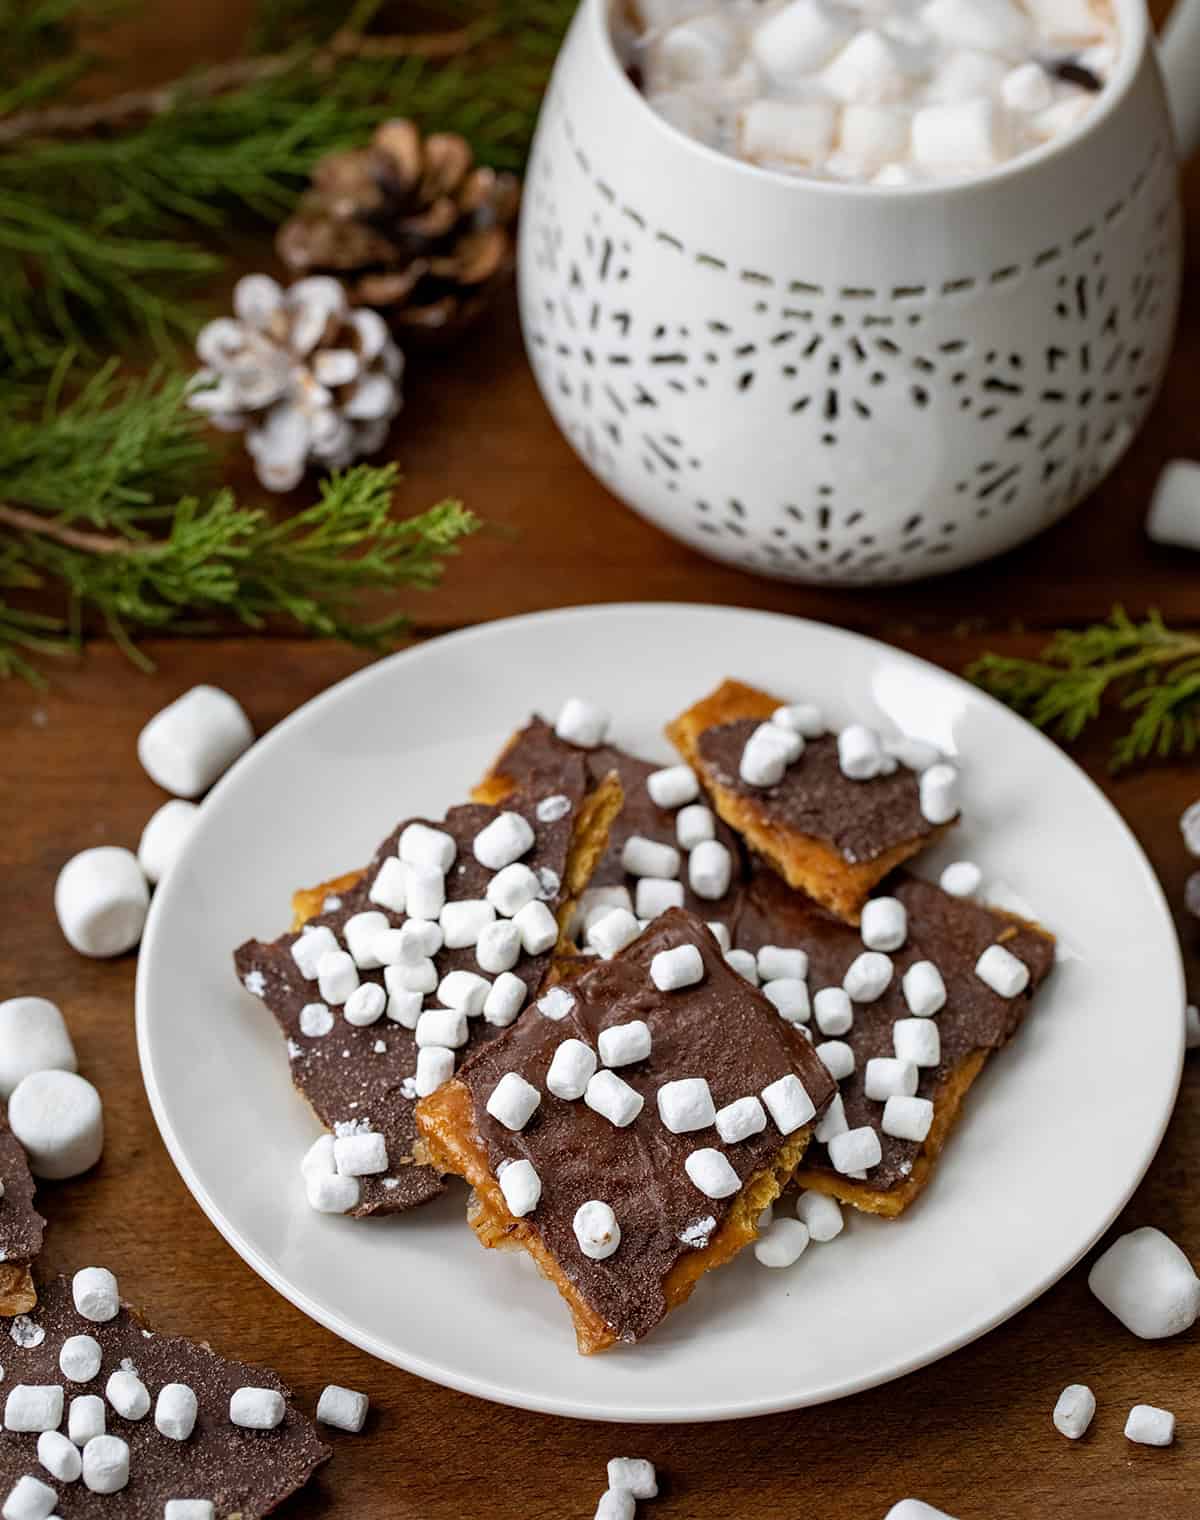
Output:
(1055, 1136)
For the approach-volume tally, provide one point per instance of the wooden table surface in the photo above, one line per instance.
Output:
(971, 1434)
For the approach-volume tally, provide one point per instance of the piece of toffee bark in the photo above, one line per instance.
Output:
(21, 1227)
(671, 1232)
(362, 1078)
(537, 749)
(952, 932)
(243, 1472)
(828, 835)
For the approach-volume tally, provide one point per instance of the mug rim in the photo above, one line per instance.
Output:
(1133, 23)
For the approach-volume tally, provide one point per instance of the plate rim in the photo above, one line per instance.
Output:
(580, 1408)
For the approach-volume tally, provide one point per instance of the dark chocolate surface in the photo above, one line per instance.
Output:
(345, 1075)
(952, 932)
(246, 1472)
(860, 819)
(722, 1030)
(21, 1226)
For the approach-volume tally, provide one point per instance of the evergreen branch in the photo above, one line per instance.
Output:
(1149, 669)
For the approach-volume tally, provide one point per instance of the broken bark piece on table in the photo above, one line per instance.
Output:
(21, 1227)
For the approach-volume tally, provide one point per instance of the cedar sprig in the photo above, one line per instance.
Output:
(1144, 668)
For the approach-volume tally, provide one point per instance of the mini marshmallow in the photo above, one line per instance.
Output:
(186, 746)
(327, 1193)
(1149, 1426)
(646, 857)
(555, 1003)
(551, 809)
(711, 1172)
(885, 1077)
(623, 1044)
(869, 70)
(698, 49)
(59, 1456)
(97, 1297)
(257, 1408)
(918, 1041)
(538, 928)
(30, 1499)
(425, 890)
(784, 1243)
(360, 931)
(695, 825)
(422, 845)
(794, 132)
(775, 962)
(906, 1117)
(860, 753)
(86, 1418)
(686, 1105)
(166, 832)
(771, 748)
(744, 964)
(310, 948)
(924, 990)
(822, 1215)
(513, 1101)
(604, 897)
(1174, 516)
(834, 1011)
(33, 1037)
(360, 1155)
(915, 1509)
(128, 1395)
(1002, 971)
(797, 39)
(365, 1005)
(1189, 825)
(596, 1230)
(867, 977)
(582, 723)
(914, 754)
(965, 73)
(710, 870)
(790, 997)
(939, 793)
(873, 134)
(521, 1186)
(59, 1119)
(463, 922)
(442, 1026)
(189, 1509)
(720, 932)
(390, 887)
(175, 1411)
(404, 982)
(80, 1358)
(788, 1104)
(607, 1094)
(571, 1069)
(505, 1000)
(672, 787)
(1074, 1411)
(740, 1119)
(504, 840)
(837, 1058)
(962, 878)
(337, 976)
(1065, 20)
(635, 1475)
(956, 138)
(106, 1464)
(319, 1157)
(682, 966)
(655, 894)
(832, 1121)
(989, 25)
(464, 992)
(498, 947)
(33, 1407)
(802, 718)
(1148, 1283)
(512, 888)
(609, 934)
(101, 900)
(884, 923)
(1027, 88)
(616, 1504)
(855, 1150)
(435, 1065)
(343, 1409)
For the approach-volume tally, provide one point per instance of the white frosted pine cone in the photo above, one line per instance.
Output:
(308, 379)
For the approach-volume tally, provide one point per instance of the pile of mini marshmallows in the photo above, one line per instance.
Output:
(889, 92)
(87, 1451)
(102, 895)
(56, 1114)
(629, 1479)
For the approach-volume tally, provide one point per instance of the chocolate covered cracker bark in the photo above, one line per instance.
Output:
(629, 1130)
(21, 1227)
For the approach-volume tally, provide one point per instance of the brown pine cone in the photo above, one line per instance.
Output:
(410, 225)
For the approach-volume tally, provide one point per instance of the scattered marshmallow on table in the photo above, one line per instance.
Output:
(59, 1119)
(710, 870)
(616, 1504)
(695, 825)
(855, 1150)
(623, 1044)
(1002, 971)
(59, 1456)
(80, 1357)
(915, 1509)
(686, 1105)
(343, 1409)
(513, 1101)
(938, 788)
(918, 1041)
(96, 1294)
(1074, 1411)
(106, 1464)
(868, 976)
(175, 1411)
(257, 1408)
(884, 923)
(655, 894)
(635, 1475)
(833, 1011)
(1149, 1426)
(504, 840)
(1148, 1283)
(860, 753)
(571, 1068)
(31, 1499)
(33, 1037)
(822, 1215)
(582, 723)
(682, 966)
(775, 961)
(788, 1104)
(887, 1077)
(962, 878)
(435, 1065)
(166, 832)
(101, 900)
(712, 1173)
(521, 1186)
(740, 1119)
(596, 1229)
(789, 996)
(128, 1395)
(783, 1244)
(32, 1407)
(193, 741)
(1174, 516)
(906, 1117)
(86, 1418)
(505, 1000)
(613, 1098)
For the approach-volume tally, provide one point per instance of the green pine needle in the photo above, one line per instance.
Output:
(1146, 668)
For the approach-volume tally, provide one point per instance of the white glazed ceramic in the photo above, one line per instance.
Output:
(1054, 1138)
(849, 383)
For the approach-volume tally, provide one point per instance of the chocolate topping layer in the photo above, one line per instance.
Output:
(953, 933)
(21, 1226)
(721, 1029)
(364, 1076)
(860, 819)
(244, 1472)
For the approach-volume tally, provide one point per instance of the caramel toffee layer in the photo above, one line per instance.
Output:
(244, 1472)
(364, 1076)
(862, 820)
(21, 1226)
(953, 933)
(722, 1029)
(537, 748)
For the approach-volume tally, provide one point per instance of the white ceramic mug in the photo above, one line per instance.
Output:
(849, 383)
